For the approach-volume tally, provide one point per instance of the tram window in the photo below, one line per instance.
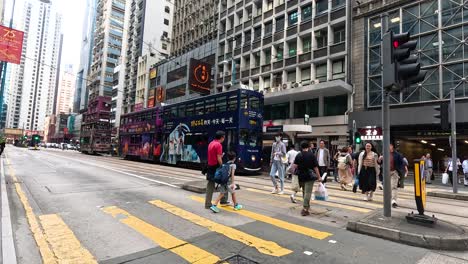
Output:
(199, 108)
(181, 110)
(232, 103)
(209, 106)
(166, 113)
(254, 103)
(196, 139)
(244, 101)
(149, 116)
(221, 104)
(248, 138)
(189, 110)
(174, 111)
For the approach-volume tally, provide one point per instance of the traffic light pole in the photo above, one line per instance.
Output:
(387, 191)
(454, 140)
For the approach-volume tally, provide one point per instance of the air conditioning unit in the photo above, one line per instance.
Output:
(316, 81)
(226, 73)
(297, 85)
(286, 86)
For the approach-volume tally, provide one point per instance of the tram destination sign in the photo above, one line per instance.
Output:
(199, 76)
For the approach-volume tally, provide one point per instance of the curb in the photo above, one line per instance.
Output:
(451, 243)
(8, 244)
(447, 195)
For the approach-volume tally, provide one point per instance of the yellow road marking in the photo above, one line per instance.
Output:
(310, 232)
(263, 246)
(46, 253)
(165, 240)
(324, 203)
(63, 242)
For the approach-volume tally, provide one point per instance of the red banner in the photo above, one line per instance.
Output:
(11, 45)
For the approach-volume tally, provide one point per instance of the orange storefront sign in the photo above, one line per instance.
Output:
(200, 76)
(11, 45)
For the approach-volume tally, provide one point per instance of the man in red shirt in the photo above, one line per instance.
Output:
(215, 160)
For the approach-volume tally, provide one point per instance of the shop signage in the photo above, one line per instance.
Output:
(271, 129)
(199, 76)
(153, 73)
(11, 45)
(160, 94)
(374, 133)
(151, 98)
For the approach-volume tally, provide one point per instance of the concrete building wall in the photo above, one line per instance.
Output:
(66, 91)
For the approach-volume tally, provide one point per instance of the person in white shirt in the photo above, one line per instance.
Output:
(291, 156)
(428, 167)
(465, 171)
(323, 158)
(449, 169)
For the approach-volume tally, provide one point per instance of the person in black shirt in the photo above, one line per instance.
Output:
(308, 172)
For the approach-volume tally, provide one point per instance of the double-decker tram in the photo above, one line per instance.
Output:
(96, 128)
(179, 134)
(140, 134)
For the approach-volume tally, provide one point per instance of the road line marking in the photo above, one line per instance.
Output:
(46, 253)
(263, 246)
(66, 246)
(165, 240)
(8, 244)
(273, 221)
(324, 203)
(119, 171)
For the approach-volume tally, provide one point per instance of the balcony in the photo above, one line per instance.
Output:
(223, 14)
(305, 57)
(256, 44)
(280, 8)
(229, 32)
(222, 36)
(220, 58)
(290, 61)
(267, 40)
(268, 14)
(336, 48)
(292, 3)
(339, 13)
(321, 19)
(237, 51)
(239, 5)
(228, 55)
(279, 35)
(266, 68)
(291, 31)
(238, 28)
(245, 73)
(278, 65)
(231, 9)
(322, 52)
(255, 71)
(219, 80)
(257, 19)
(306, 25)
(248, 23)
(246, 48)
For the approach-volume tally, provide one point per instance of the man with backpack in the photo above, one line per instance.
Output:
(224, 177)
(215, 160)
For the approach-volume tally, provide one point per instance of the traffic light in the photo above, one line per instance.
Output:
(357, 138)
(442, 113)
(400, 68)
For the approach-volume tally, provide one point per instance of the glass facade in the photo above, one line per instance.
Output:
(276, 111)
(310, 107)
(442, 34)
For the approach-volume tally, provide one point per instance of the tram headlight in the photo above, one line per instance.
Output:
(253, 158)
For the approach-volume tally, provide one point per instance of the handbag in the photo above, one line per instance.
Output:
(307, 175)
(295, 183)
(445, 178)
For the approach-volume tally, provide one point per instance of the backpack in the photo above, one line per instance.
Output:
(222, 174)
(342, 162)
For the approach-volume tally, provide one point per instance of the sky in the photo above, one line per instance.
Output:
(73, 12)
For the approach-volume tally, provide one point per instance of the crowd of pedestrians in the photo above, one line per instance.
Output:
(354, 170)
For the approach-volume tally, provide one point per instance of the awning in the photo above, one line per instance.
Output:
(326, 131)
(291, 129)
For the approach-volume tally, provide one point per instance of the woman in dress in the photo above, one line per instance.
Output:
(345, 164)
(368, 169)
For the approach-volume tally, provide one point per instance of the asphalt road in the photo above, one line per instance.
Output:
(67, 207)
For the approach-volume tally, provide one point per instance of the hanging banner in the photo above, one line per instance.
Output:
(160, 94)
(11, 45)
(200, 76)
(151, 98)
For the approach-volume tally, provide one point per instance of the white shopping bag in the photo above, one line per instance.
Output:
(321, 193)
(295, 183)
(445, 178)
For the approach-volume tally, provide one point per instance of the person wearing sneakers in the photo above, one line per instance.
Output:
(230, 186)
(215, 160)
(367, 170)
(397, 172)
(278, 151)
(307, 171)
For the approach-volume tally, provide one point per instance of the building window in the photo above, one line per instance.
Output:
(292, 49)
(306, 12)
(268, 29)
(166, 22)
(167, 9)
(293, 18)
(305, 74)
(267, 56)
(306, 107)
(335, 105)
(269, 5)
(306, 44)
(337, 3)
(321, 72)
(321, 38)
(165, 34)
(276, 111)
(292, 76)
(280, 24)
(338, 69)
(321, 6)
(279, 53)
(164, 46)
(339, 35)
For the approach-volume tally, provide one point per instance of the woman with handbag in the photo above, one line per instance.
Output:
(368, 168)
(345, 164)
(307, 171)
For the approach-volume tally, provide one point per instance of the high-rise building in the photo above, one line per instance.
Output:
(33, 82)
(440, 29)
(66, 91)
(147, 41)
(81, 91)
(106, 46)
(195, 23)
